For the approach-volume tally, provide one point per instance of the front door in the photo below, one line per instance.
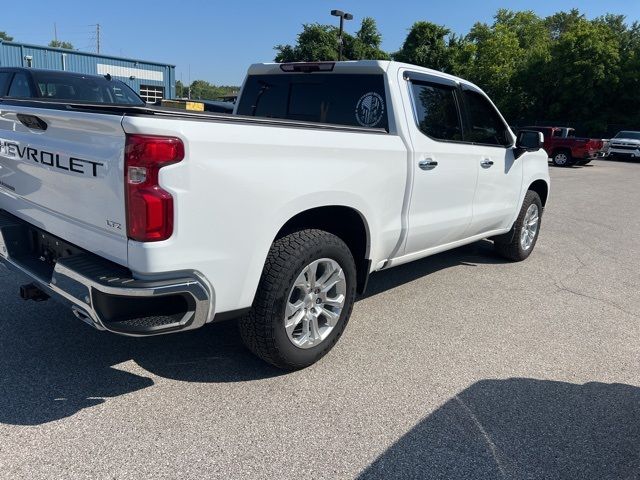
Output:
(500, 173)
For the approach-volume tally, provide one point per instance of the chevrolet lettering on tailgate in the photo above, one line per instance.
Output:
(50, 159)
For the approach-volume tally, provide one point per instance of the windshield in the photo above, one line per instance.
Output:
(91, 89)
(627, 134)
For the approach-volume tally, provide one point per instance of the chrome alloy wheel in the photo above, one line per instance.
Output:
(530, 227)
(561, 158)
(315, 303)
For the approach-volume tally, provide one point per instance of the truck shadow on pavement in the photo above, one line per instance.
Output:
(574, 166)
(52, 366)
(481, 252)
(523, 428)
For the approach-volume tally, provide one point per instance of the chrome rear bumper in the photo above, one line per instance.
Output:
(104, 294)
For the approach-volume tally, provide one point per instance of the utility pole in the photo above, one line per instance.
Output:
(189, 88)
(343, 16)
(55, 32)
(98, 37)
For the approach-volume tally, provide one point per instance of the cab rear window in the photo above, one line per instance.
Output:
(341, 99)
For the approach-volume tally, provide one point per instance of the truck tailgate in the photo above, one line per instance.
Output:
(63, 171)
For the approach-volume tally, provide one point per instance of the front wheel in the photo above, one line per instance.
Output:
(517, 244)
(304, 300)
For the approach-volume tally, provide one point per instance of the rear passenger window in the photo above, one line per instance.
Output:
(437, 111)
(341, 99)
(486, 125)
(20, 86)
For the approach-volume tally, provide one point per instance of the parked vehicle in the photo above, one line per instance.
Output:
(198, 105)
(16, 82)
(149, 221)
(565, 149)
(566, 132)
(625, 144)
(218, 106)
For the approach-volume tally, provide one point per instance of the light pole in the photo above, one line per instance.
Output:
(343, 16)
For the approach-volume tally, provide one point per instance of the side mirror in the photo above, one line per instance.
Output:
(529, 140)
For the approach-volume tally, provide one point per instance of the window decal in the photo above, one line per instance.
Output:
(370, 109)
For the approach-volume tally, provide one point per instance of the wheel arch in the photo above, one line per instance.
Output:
(561, 149)
(542, 189)
(346, 223)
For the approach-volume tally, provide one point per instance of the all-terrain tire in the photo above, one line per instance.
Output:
(510, 245)
(263, 328)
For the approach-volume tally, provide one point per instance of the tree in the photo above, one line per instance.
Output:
(6, 37)
(624, 101)
(315, 43)
(318, 42)
(426, 45)
(509, 61)
(495, 62)
(560, 22)
(367, 44)
(560, 68)
(462, 53)
(181, 90)
(203, 90)
(61, 44)
(586, 63)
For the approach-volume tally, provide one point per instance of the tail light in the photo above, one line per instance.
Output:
(149, 207)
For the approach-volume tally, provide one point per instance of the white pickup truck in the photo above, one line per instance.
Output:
(148, 221)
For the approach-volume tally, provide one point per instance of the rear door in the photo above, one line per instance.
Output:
(63, 171)
(445, 168)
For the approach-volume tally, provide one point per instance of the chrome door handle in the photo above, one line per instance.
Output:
(427, 164)
(486, 163)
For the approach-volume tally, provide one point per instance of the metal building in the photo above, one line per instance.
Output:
(152, 80)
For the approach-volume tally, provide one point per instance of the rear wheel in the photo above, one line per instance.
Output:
(518, 244)
(304, 300)
(562, 158)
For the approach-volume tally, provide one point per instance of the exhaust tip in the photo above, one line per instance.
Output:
(80, 315)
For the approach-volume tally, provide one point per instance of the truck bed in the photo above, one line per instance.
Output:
(241, 179)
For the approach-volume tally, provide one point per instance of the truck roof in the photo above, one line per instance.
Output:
(67, 73)
(352, 66)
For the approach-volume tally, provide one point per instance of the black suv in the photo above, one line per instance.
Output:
(56, 85)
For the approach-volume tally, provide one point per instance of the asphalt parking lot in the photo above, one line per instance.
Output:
(457, 366)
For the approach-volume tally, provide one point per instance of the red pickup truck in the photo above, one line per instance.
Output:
(565, 149)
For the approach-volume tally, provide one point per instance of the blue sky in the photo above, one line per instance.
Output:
(217, 40)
